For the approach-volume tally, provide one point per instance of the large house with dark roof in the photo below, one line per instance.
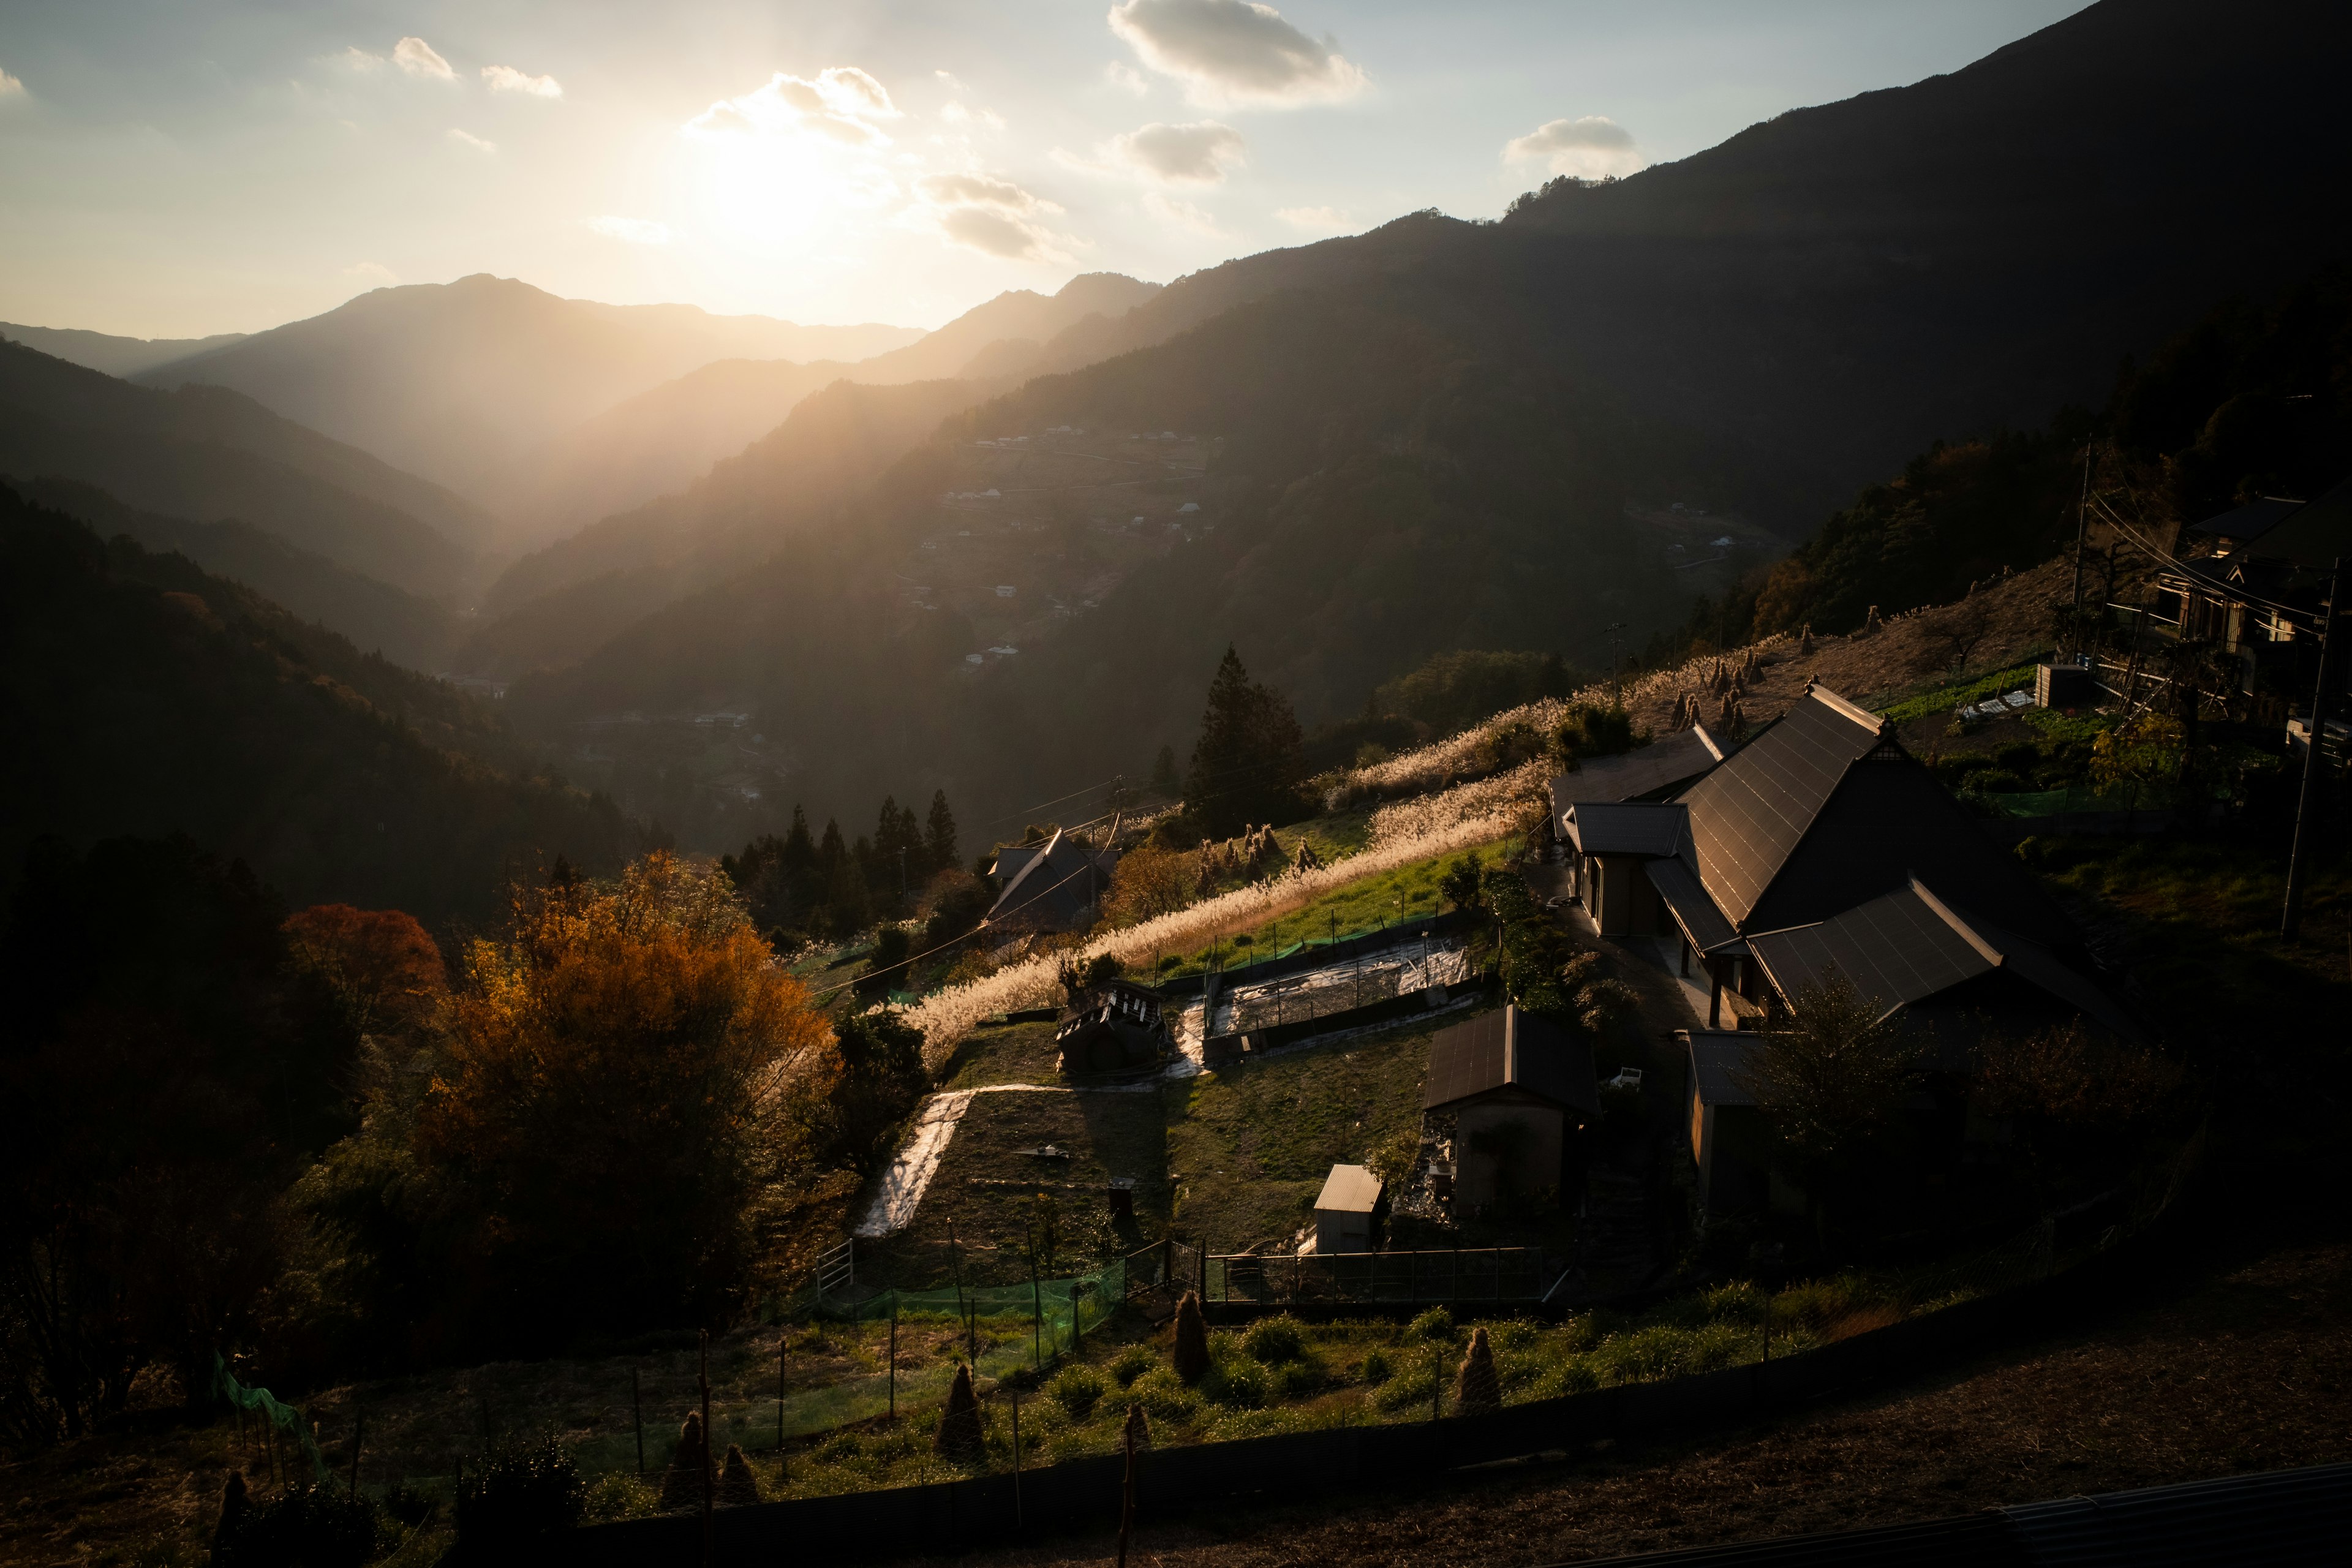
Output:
(1822, 844)
(1048, 888)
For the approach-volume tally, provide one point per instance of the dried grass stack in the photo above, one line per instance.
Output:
(959, 1440)
(1476, 1390)
(682, 1482)
(1191, 1356)
(737, 1485)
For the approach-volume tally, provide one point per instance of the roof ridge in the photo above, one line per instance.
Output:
(1873, 723)
(1953, 918)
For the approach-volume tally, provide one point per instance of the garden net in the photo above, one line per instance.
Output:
(261, 1403)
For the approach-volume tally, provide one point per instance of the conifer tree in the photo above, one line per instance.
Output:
(1164, 777)
(1248, 760)
(939, 837)
(798, 856)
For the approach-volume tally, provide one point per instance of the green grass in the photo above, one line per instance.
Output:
(1367, 903)
(986, 1189)
(1004, 1053)
(1249, 1146)
(1944, 699)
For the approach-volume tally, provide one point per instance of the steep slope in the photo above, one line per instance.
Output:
(555, 606)
(207, 453)
(111, 354)
(1012, 329)
(458, 380)
(406, 628)
(143, 695)
(656, 442)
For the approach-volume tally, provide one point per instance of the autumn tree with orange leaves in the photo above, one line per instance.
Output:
(624, 1070)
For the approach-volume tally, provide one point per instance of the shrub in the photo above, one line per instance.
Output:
(1164, 1395)
(1376, 1369)
(1434, 1325)
(1300, 1377)
(1131, 1363)
(1517, 1335)
(312, 1527)
(1078, 1389)
(1239, 1385)
(1409, 1390)
(840, 1446)
(1275, 1339)
(1573, 1375)
(521, 1493)
(611, 1496)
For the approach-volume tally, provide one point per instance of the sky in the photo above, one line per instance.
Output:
(171, 168)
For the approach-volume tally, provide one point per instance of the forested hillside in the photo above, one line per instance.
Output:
(143, 695)
(207, 453)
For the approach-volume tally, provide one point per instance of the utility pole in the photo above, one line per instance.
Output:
(2307, 827)
(2082, 526)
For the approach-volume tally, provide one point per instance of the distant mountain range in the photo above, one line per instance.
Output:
(103, 351)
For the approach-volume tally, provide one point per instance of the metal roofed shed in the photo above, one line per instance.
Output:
(1344, 1210)
(1514, 1085)
(1613, 841)
(1729, 1140)
(1609, 827)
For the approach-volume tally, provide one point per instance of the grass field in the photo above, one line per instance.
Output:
(1004, 1053)
(1364, 904)
(1248, 1146)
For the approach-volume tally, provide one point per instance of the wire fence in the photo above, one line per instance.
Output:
(262, 1419)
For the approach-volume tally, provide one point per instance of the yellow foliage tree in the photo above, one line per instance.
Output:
(624, 1073)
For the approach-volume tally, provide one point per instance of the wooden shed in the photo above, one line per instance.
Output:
(1730, 1141)
(1514, 1088)
(1343, 1211)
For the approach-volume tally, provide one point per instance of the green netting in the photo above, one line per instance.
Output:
(261, 1403)
(1027, 1325)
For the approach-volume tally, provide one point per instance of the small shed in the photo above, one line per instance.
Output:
(1114, 1027)
(1515, 1087)
(1343, 1212)
(1729, 1140)
(1613, 843)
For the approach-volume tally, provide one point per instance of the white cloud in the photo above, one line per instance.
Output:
(993, 215)
(467, 139)
(505, 78)
(1183, 215)
(373, 274)
(417, 57)
(1319, 220)
(1590, 147)
(955, 113)
(1201, 153)
(1126, 78)
(841, 105)
(10, 86)
(1235, 51)
(982, 191)
(1000, 233)
(633, 230)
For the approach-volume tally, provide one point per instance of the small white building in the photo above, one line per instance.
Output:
(1343, 1211)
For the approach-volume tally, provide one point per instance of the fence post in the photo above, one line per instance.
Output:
(703, 1378)
(638, 1413)
(780, 1407)
(359, 1433)
(894, 1377)
(1018, 1524)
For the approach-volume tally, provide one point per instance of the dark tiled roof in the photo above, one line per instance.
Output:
(1718, 1058)
(1609, 827)
(1910, 945)
(1677, 882)
(1510, 1049)
(1685, 754)
(2316, 535)
(1747, 816)
(2252, 520)
(1054, 888)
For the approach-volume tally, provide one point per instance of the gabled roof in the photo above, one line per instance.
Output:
(2315, 535)
(1051, 892)
(1677, 882)
(2250, 521)
(1718, 1058)
(1910, 945)
(1348, 1189)
(1510, 1049)
(1749, 816)
(1632, 827)
(1685, 754)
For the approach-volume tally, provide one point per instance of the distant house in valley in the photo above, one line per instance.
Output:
(1049, 887)
(1504, 1091)
(1116, 1026)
